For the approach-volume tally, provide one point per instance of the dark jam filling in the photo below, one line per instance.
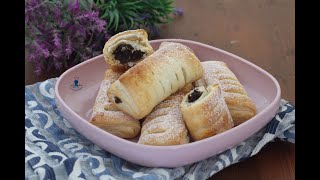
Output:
(117, 100)
(126, 53)
(194, 96)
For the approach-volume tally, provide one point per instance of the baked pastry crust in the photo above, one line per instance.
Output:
(154, 79)
(239, 103)
(164, 126)
(208, 114)
(137, 39)
(107, 117)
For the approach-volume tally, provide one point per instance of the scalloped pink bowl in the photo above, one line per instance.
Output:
(76, 107)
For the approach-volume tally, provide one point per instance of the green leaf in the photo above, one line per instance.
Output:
(111, 18)
(66, 3)
(116, 19)
(123, 14)
(132, 14)
(84, 4)
(131, 22)
(97, 3)
(90, 4)
(124, 22)
(113, 3)
(130, 3)
(105, 14)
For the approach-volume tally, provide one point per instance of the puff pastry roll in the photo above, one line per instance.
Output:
(146, 84)
(205, 112)
(239, 103)
(164, 126)
(126, 49)
(107, 117)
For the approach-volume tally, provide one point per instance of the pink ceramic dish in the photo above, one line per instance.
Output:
(75, 105)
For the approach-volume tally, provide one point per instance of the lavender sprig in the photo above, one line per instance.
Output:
(60, 35)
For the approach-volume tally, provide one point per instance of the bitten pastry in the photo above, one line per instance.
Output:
(205, 112)
(239, 103)
(107, 117)
(126, 49)
(164, 126)
(145, 85)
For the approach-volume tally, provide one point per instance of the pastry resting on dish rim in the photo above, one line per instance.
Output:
(169, 90)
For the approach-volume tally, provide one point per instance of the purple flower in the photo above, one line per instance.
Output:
(92, 15)
(56, 53)
(46, 53)
(178, 11)
(74, 29)
(57, 14)
(100, 25)
(57, 40)
(31, 5)
(74, 7)
(58, 65)
(31, 57)
(68, 49)
(63, 24)
(55, 32)
(42, 50)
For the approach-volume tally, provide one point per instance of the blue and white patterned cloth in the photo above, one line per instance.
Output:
(54, 150)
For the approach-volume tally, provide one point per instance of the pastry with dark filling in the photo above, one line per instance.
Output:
(154, 79)
(241, 106)
(205, 112)
(126, 49)
(106, 116)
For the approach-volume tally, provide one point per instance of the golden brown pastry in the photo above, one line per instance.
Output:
(145, 85)
(126, 49)
(239, 103)
(107, 117)
(205, 112)
(164, 126)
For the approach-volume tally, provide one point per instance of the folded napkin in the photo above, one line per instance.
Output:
(54, 150)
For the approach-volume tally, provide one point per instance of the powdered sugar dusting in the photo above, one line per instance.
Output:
(172, 46)
(218, 72)
(215, 106)
(165, 125)
(233, 92)
(102, 98)
(210, 113)
(219, 117)
(103, 101)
